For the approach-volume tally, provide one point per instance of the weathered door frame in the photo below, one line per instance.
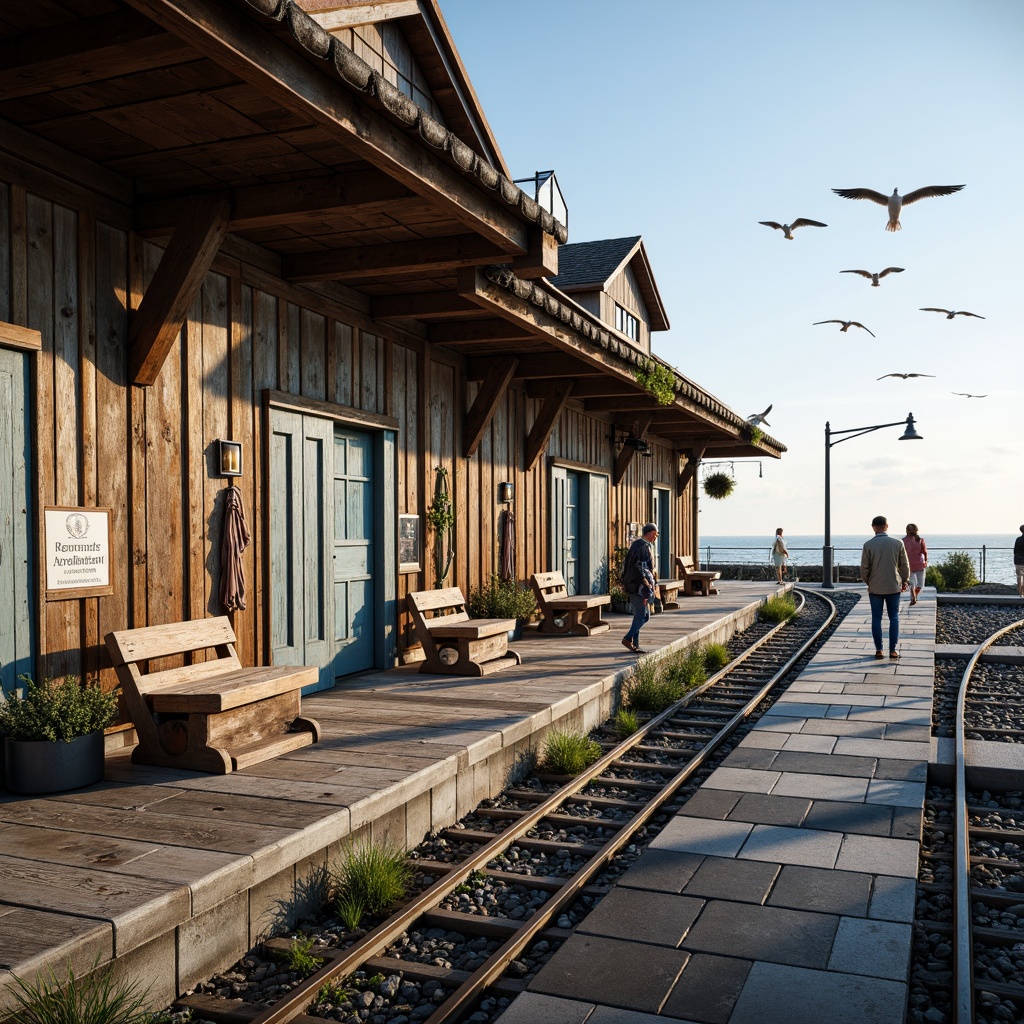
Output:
(16, 339)
(661, 514)
(592, 528)
(384, 430)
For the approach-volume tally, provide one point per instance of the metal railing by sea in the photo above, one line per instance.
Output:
(987, 558)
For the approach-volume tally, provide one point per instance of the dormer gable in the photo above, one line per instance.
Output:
(612, 279)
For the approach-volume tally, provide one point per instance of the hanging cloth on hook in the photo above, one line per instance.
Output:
(236, 540)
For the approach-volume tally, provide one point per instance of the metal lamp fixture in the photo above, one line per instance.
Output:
(909, 434)
(506, 493)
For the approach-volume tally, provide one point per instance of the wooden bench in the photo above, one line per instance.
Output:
(454, 643)
(668, 592)
(694, 581)
(579, 615)
(213, 715)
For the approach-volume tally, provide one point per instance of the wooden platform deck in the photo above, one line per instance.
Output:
(172, 875)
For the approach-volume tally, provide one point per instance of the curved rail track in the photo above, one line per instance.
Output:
(687, 735)
(966, 839)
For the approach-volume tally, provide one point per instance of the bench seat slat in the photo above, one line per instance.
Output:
(579, 601)
(232, 689)
(471, 629)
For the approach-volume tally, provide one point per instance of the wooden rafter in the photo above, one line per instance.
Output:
(263, 206)
(85, 51)
(627, 454)
(419, 306)
(623, 403)
(175, 284)
(427, 255)
(540, 367)
(540, 260)
(486, 403)
(240, 43)
(540, 433)
(474, 332)
(603, 387)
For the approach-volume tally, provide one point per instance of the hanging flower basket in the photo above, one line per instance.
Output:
(718, 485)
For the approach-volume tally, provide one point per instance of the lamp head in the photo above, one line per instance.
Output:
(910, 434)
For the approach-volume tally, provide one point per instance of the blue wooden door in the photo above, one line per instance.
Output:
(17, 640)
(301, 543)
(565, 531)
(661, 516)
(354, 554)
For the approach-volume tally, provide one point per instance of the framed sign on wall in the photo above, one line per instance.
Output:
(76, 549)
(409, 548)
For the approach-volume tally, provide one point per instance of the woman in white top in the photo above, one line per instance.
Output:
(779, 554)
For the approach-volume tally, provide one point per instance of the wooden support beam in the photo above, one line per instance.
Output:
(540, 433)
(157, 321)
(473, 332)
(624, 403)
(244, 43)
(263, 206)
(693, 457)
(540, 260)
(428, 255)
(84, 51)
(419, 306)
(604, 387)
(486, 404)
(626, 455)
(541, 367)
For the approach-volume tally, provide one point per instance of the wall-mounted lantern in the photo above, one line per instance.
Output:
(506, 493)
(230, 458)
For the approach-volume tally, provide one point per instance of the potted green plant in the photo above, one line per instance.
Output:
(53, 735)
(502, 599)
(620, 599)
(718, 485)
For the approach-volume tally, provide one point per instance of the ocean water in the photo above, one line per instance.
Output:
(992, 552)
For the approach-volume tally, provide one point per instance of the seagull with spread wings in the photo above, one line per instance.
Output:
(950, 313)
(904, 375)
(967, 394)
(847, 324)
(788, 229)
(874, 278)
(896, 202)
(758, 418)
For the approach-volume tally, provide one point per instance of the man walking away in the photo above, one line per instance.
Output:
(1018, 561)
(638, 582)
(885, 569)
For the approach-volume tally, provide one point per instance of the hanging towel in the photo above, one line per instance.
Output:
(508, 546)
(236, 540)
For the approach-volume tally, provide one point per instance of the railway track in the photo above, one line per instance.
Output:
(595, 815)
(986, 851)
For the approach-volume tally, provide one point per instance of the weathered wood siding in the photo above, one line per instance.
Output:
(73, 272)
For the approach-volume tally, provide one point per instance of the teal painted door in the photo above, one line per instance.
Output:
(565, 526)
(661, 516)
(301, 543)
(17, 639)
(597, 533)
(354, 554)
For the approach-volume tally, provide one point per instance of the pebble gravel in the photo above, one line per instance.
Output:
(974, 623)
(999, 705)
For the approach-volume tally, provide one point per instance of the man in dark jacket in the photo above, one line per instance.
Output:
(638, 582)
(1018, 561)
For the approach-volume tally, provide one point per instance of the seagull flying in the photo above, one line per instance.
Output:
(950, 313)
(896, 202)
(759, 417)
(904, 375)
(874, 278)
(847, 324)
(967, 395)
(788, 229)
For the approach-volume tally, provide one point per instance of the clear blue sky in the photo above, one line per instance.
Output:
(688, 122)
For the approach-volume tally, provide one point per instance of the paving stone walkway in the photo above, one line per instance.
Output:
(784, 890)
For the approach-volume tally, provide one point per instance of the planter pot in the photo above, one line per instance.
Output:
(622, 607)
(39, 766)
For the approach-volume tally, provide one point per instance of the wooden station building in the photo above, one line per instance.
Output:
(288, 226)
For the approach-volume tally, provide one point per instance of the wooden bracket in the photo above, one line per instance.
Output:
(625, 457)
(177, 281)
(486, 404)
(689, 471)
(552, 408)
(541, 260)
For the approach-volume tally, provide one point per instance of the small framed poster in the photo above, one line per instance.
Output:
(230, 455)
(409, 550)
(76, 547)
(632, 532)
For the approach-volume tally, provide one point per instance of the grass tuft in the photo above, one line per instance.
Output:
(685, 671)
(300, 960)
(569, 753)
(778, 608)
(370, 879)
(97, 999)
(626, 722)
(716, 656)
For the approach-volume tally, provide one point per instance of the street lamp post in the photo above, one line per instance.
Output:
(909, 434)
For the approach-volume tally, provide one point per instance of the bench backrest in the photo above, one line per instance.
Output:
(684, 563)
(129, 647)
(430, 605)
(548, 586)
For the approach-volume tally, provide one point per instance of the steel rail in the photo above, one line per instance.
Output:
(380, 937)
(964, 962)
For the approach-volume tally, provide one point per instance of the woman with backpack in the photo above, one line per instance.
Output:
(917, 554)
(780, 553)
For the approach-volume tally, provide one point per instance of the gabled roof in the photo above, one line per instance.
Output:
(586, 266)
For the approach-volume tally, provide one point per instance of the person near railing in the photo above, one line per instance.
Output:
(917, 555)
(780, 553)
